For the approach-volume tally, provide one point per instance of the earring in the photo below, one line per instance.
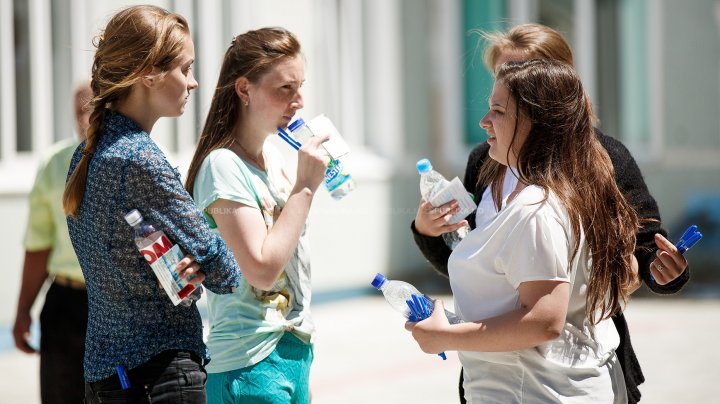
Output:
(246, 103)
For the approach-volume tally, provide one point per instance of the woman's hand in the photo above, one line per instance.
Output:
(429, 333)
(431, 221)
(188, 268)
(668, 263)
(312, 163)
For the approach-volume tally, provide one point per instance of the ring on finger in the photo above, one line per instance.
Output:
(659, 267)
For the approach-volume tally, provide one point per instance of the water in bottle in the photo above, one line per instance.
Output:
(338, 181)
(398, 293)
(162, 256)
(406, 299)
(431, 183)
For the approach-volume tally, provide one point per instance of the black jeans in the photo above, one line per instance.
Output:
(170, 377)
(63, 322)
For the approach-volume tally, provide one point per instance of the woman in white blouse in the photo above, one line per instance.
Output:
(537, 283)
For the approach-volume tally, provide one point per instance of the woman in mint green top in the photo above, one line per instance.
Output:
(260, 336)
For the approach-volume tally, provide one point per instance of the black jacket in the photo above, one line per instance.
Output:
(631, 183)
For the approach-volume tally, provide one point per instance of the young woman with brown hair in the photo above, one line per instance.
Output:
(537, 284)
(261, 336)
(142, 71)
(661, 267)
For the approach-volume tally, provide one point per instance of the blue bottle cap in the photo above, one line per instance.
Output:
(294, 125)
(423, 166)
(378, 281)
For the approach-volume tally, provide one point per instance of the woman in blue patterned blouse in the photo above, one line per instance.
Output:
(141, 72)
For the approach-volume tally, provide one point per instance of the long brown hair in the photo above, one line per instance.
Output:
(134, 41)
(250, 55)
(562, 154)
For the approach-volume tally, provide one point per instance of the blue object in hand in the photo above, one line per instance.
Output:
(420, 309)
(688, 239)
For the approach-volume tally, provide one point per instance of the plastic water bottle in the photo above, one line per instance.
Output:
(432, 182)
(398, 293)
(162, 256)
(338, 181)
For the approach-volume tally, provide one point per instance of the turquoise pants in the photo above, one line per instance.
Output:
(282, 378)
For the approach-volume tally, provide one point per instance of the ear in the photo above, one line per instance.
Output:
(242, 86)
(148, 78)
(148, 81)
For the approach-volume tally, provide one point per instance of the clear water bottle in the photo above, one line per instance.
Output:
(432, 182)
(398, 293)
(162, 256)
(338, 181)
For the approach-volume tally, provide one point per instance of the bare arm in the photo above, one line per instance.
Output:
(540, 318)
(33, 277)
(263, 254)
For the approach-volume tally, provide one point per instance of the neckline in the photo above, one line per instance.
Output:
(250, 158)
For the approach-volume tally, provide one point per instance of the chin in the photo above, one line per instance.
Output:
(492, 155)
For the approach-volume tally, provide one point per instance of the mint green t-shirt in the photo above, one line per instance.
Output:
(46, 225)
(246, 325)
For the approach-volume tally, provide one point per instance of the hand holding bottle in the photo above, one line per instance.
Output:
(430, 333)
(434, 221)
(188, 269)
(312, 163)
(337, 180)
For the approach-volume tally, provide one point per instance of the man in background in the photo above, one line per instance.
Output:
(50, 255)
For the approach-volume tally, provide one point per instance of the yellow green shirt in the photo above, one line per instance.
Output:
(47, 227)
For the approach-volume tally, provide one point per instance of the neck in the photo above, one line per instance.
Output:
(135, 107)
(251, 139)
(249, 148)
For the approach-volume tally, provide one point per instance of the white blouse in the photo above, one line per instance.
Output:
(531, 240)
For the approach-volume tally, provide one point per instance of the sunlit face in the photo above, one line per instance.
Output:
(501, 124)
(276, 96)
(172, 91)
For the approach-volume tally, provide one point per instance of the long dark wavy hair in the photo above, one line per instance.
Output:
(250, 55)
(562, 154)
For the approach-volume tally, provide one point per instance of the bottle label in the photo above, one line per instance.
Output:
(335, 175)
(155, 250)
(163, 257)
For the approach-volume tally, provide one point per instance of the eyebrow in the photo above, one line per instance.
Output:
(496, 104)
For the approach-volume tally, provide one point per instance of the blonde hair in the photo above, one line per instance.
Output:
(533, 41)
(134, 41)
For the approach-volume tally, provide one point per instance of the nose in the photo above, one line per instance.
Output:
(298, 102)
(485, 122)
(192, 83)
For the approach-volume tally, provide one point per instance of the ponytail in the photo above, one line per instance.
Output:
(75, 187)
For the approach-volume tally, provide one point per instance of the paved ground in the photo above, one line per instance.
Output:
(363, 355)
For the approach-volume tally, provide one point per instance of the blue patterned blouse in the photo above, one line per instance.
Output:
(131, 319)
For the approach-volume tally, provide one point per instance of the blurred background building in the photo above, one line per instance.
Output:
(402, 79)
